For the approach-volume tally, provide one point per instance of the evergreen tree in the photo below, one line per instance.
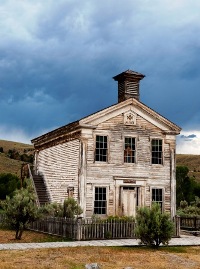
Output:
(153, 227)
(8, 183)
(20, 210)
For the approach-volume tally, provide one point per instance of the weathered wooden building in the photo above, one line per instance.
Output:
(112, 161)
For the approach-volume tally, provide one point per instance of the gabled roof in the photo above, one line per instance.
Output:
(94, 119)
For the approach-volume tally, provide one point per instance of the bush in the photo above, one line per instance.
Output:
(71, 208)
(8, 184)
(153, 227)
(20, 210)
(51, 210)
(191, 210)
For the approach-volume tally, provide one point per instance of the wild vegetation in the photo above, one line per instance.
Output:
(192, 162)
(13, 155)
(153, 227)
(21, 209)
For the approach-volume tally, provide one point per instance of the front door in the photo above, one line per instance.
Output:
(129, 201)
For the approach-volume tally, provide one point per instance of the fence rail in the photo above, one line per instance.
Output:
(85, 229)
(65, 228)
(89, 229)
(190, 223)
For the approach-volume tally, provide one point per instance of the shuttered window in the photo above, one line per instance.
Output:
(157, 151)
(101, 148)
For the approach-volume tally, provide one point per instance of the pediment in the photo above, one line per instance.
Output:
(130, 109)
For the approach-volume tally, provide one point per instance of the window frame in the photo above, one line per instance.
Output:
(159, 157)
(133, 151)
(100, 209)
(100, 150)
(161, 202)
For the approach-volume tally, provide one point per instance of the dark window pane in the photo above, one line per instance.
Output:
(156, 151)
(100, 200)
(101, 148)
(129, 150)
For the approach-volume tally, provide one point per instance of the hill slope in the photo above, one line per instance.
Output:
(8, 165)
(192, 162)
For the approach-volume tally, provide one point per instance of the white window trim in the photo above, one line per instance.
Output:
(136, 143)
(107, 198)
(157, 138)
(163, 198)
(108, 147)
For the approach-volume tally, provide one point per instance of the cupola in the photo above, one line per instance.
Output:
(128, 85)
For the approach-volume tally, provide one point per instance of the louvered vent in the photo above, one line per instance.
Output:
(132, 89)
(128, 85)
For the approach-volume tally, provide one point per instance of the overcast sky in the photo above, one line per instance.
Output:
(57, 60)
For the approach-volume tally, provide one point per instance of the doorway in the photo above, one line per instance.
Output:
(129, 200)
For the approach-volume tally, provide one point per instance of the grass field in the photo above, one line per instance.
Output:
(192, 162)
(106, 257)
(8, 165)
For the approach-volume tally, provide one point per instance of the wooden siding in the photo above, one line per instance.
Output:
(102, 174)
(59, 166)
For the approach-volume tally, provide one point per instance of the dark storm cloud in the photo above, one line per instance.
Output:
(57, 60)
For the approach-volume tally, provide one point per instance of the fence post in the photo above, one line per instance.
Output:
(178, 225)
(79, 229)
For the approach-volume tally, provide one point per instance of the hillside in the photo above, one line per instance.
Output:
(192, 162)
(8, 165)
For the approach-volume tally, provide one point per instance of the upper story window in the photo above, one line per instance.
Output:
(101, 151)
(157, 196)
(156, 151)
(129, 150)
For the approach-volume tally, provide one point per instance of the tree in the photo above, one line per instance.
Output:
(153, 227)
(8, 183)
(184, 185)
(20, 210)
(71, 208)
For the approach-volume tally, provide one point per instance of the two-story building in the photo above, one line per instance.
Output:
(114, 160)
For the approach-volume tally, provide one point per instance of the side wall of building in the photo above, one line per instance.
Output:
(59, 166)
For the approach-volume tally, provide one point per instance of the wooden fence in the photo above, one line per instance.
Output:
(85, 229)
(190, 223)
(90, 229)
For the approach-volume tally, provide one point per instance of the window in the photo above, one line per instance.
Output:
(157, 155)
(129, 150)
(100, 200)
(157, 196)
(101, 148)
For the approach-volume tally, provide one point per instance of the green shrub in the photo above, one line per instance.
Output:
(71, 208)
(51, 210)
(8, 183)
(20, 210)
(191, 210)
(153, 227)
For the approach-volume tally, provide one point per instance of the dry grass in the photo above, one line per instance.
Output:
(192, 162)
(106, 257)
(8, 165)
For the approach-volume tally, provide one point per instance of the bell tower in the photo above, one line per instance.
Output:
(128, 85)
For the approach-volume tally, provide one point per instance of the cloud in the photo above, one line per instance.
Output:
(57, 59)
(188, 143)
